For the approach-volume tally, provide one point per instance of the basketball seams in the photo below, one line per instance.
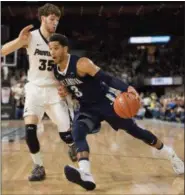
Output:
(117, 108)
(122, 109)
(128, 105)
(125, 106)
(132, 108)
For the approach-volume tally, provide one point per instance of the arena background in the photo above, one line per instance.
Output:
(101, 31)
(142, 43)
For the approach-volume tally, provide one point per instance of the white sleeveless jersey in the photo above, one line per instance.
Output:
(40, 62)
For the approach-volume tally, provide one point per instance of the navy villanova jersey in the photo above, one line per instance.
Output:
(85, 89)
(95, 98)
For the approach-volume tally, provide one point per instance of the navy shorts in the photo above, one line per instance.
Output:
(94, 114)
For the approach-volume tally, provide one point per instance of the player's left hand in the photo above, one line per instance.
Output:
(133, 91)
(62, 91)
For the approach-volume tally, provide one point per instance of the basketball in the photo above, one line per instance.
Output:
(126, 105)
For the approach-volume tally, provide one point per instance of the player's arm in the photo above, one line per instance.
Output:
(21, 41)
(86, 67)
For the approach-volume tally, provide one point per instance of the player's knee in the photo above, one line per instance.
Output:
(31, 138)
(66, 137)
(31, 119)
(79, 132)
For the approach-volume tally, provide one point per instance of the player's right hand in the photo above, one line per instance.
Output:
(133, 91)
(24, 35)
(62, 91)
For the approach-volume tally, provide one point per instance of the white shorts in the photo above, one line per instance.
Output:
(39, 100)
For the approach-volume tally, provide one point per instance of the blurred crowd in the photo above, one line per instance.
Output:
(168, 107)
(131, 62)
(13, 81)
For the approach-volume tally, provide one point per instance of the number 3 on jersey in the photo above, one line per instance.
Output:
(46, 65)
(76, 91)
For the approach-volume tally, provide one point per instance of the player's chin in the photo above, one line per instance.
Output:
(52, 30)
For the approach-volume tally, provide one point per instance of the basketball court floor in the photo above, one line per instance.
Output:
(120, 163)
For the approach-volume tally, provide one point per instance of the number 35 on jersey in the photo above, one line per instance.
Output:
(46, 65)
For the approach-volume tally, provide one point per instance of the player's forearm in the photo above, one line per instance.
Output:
(111, 81)
(11, 46)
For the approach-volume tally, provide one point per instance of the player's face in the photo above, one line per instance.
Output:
(57, 52)
(51, 23)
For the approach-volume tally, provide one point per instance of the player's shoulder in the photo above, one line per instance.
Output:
(36, 38)
(34, 35)
(84, 61)
(35, 32)
(74, 59)
(73, 56)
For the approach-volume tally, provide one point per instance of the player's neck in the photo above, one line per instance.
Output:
(45, 33)
(64, 63)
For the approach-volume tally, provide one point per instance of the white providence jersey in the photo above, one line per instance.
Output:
(40, 62)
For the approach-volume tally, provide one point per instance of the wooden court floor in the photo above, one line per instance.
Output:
(120, 163)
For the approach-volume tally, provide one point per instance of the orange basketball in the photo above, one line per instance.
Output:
(126, 105)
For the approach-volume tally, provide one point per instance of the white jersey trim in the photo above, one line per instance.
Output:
(65, 70)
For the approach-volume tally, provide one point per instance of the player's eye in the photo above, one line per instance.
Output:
(55, 48)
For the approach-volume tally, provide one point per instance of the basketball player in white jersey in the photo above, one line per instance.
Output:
(41, 90)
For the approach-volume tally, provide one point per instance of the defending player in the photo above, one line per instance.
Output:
(93, 88)
(41, 90)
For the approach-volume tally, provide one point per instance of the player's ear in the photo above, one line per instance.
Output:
(42, 18)
(65, 49)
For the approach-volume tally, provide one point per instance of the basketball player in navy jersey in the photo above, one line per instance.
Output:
(95, 90)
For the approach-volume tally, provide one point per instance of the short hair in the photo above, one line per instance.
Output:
(48, 9)
(62, 39)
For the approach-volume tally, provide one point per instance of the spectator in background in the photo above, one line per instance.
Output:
(23, 76)
(180, 109)
(182, 116)
(5, 92)
(146, 103)
(172, 108)
(124, 77)
(5, 72)
(18, 94)
(154, 106)
(141, 113)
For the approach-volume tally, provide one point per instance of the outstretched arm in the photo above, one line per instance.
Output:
(20, 41)
(86, 67)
